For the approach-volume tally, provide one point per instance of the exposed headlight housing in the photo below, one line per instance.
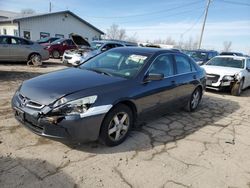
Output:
(76, 107)
(228, 78)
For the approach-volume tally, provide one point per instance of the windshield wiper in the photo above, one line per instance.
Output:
(100, 71)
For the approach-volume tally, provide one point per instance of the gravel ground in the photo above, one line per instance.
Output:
(209, 148)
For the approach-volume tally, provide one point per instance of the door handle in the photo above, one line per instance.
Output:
(173, 82)
(194, 76)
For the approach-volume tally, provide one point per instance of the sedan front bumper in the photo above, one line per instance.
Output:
(67, 128)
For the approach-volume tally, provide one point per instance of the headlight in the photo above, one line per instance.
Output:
(228, 78)
(75, 107)
(237, 76)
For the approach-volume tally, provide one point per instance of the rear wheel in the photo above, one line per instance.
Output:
(35, 59)
(237, 88)
(194, 101)
(116, 125)
(56, 54)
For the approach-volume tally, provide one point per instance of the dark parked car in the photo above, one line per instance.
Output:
(201, 56)
(47, 40)
(57, 48)
(232, 53)
(103, 97)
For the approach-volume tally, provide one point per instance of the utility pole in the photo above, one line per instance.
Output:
(50, 6)
(204, 23)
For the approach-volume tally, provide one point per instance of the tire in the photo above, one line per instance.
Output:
(35, 59)
(56, 54)
(113, 130)
(194, 100)
(237, 88)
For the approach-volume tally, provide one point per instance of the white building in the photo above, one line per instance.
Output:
(59, 24)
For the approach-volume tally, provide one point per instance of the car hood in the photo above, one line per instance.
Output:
(79, 40)
(44, 44)
(47, 88)
(221, 70)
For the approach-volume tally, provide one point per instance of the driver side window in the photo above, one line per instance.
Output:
(163, 64)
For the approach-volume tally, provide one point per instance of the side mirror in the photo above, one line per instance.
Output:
(153, 77)
(104, 49)
(248, 69)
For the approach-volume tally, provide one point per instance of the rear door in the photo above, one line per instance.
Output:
(4, 48)
(19, 49)
(186, 77)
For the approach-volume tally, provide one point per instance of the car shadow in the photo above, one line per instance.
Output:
(19, 76)
(227, 92)
(45, 64)
(161, 128)
(20, 172)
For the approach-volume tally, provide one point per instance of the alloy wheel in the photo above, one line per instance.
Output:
(118, 126)
(195, 99)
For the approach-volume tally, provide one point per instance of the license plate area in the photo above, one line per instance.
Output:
(19, 114)
(209, 82)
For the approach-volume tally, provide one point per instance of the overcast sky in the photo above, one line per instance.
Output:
(228, 20)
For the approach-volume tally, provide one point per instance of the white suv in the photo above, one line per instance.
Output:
(228, 71)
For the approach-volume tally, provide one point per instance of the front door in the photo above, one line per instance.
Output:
(162, 92)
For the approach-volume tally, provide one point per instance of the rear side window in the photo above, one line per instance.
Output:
(182, 64)
(4, 40)
(15, 41)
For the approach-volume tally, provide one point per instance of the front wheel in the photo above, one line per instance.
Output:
(194, 100)
(56, 54)
(237, 88)
(116, 125)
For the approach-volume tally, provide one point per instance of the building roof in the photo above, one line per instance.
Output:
(23, 17)
(8, 14)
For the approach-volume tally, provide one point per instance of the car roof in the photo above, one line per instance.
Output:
(147, 50)
(204, 51)
(232, 56)
(14, 37)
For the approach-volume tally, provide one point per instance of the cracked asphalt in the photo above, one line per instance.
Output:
(209, 148)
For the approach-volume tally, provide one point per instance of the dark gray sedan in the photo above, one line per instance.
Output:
(102, 98)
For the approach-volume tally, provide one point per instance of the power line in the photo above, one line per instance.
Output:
(194, 24)
(149, 13)
(235, 3)
(152, 19)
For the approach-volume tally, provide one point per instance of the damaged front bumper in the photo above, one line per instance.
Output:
(61, 128)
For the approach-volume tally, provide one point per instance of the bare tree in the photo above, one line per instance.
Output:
(227, 46)
(170, 41)
(114, 32)
(28, 11)
(132, 38)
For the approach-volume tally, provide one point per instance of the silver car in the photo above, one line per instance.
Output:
(19, 49)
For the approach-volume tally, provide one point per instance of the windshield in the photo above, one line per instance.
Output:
(58, 41)
(46, 39)
(227, 62)
(117, 63)
(198, 56)
(96, 45)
